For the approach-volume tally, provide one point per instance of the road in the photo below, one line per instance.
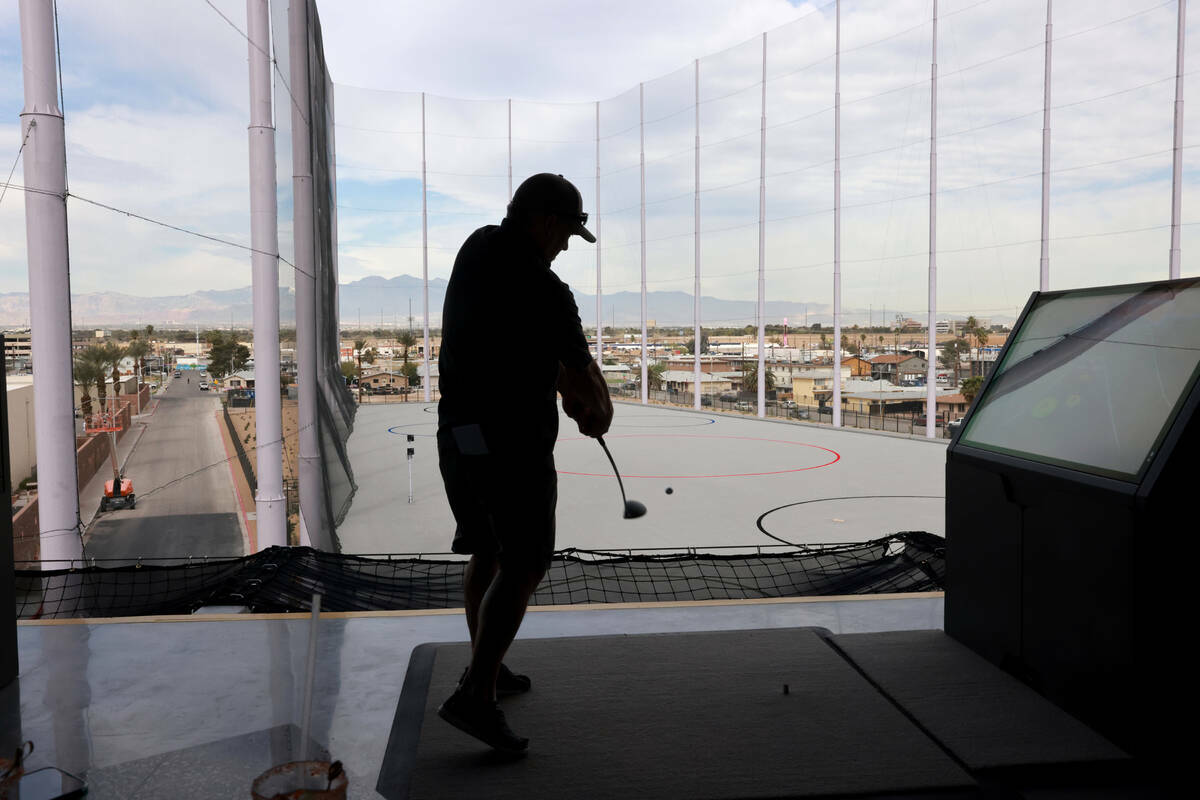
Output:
(185, 498)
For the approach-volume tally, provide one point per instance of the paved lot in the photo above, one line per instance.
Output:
(818, 484)
(185, 499)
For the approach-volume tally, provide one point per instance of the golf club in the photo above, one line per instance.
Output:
(633, 509)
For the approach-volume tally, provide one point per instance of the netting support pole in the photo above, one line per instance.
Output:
(837, 218)
(42, 131)
(1177, 160)
(425, 258)
(270, 505)
(696, 347)
(642, 149)
(931, 356)
(510, 150)
(1044, 261)
(599, 296)
(312, 529)
(762, 240)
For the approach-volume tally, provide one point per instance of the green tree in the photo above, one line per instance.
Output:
(349, 371)
(953, 351)
(654, 375)
(225, 355)
(112, 353)
(411, 372)
(970, 387)
(691, 343)
(406, 340)
(359, 346)
(90, 371)
(750, 378)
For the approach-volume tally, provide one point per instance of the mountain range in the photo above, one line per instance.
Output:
(387, 302)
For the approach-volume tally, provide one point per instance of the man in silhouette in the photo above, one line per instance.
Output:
(496, 449)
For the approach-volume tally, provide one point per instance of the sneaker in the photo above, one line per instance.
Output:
(482, 719)
(508, 682)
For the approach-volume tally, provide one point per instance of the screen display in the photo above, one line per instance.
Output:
(1093, 378)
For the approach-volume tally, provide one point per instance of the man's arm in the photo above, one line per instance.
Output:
(585, 398)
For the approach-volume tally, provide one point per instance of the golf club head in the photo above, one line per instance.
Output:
(634, 509)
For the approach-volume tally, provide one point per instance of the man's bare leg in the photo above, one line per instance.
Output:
(499, 619)
(477, 577)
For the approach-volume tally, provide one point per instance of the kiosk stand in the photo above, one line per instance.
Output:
(1068, 536)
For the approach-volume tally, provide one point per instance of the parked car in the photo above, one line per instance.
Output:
(728, 396)
(176, 373)
(954, 425)
(204, 386)
(742, 405)
(705, 400)
(920, 420)
(788, 403)
(799, 413)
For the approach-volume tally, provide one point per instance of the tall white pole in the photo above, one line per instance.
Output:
(312, 530)
(1177, 164)
(762, 240)
(837, 218)
(698, 385)
(45, 156)
(642, 148)
(425, 256)
(599, 296)
(1044, 263)
(509, 150)
(931, 355)
(271, 505)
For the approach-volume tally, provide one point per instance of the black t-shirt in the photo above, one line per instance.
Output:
(507, 323)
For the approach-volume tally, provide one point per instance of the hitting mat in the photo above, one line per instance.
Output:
(695, 715)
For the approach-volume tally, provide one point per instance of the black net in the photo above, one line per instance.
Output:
(335, 406)
(284, 579)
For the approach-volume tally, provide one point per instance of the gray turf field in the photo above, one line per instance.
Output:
(726, 471)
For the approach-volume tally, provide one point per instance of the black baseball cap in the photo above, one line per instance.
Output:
(547, 193)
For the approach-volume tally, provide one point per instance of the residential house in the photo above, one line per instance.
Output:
(859, 367)
(685, 381)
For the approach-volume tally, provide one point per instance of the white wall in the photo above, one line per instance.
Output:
(22, 446)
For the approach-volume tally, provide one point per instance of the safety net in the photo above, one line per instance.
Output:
(281, 579)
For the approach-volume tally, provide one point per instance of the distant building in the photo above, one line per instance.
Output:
(859, 367)
(899, 369)
(685, 381)
(814, 387)
(18, 346)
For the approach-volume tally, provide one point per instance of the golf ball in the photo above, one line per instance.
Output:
(670, 490)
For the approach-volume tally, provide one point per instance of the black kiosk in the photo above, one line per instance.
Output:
(1068, 522)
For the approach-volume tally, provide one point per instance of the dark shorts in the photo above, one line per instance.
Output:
(503, 502)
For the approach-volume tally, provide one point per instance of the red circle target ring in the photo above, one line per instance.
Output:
(836, 456)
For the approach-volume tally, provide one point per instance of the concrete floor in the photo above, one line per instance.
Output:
(819, 484)
(199, 707)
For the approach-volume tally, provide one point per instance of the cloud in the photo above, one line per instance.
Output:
(156, 114)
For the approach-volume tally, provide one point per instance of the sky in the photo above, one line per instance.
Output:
(156, 108)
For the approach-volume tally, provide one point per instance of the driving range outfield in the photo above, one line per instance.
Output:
(814, 484)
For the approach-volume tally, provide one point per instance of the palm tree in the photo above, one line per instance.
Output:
(110, 355)
(750, 378)
(654, 375)
(138, 349)
(89, 370)
(364, 354)
(406, 339)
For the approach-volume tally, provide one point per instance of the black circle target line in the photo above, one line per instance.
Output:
(396, 429)
(759, 522)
